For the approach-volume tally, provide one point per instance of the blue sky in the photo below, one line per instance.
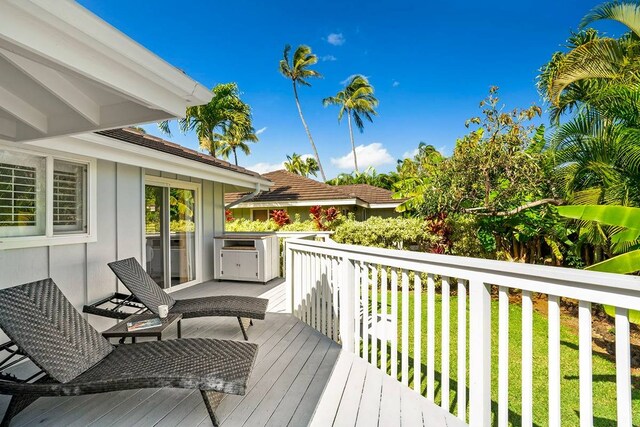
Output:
(431, 63)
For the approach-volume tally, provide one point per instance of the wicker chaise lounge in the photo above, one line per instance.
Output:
(142, 286)
(75, 359)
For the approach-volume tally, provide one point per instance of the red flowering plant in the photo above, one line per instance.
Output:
(437, 226)
(280, 217)
(323, 217)
(228, 215)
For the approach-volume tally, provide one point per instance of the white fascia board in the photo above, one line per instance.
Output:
(383, 205)
(105, 148)
(64, 35)
(299, 203)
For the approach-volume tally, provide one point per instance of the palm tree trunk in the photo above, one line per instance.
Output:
(353, 144)
(306, 128)
(235, 155)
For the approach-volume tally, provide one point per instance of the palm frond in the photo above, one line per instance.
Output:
(625, 12)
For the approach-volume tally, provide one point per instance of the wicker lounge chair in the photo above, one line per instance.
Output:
(142, 286)
(75, 359)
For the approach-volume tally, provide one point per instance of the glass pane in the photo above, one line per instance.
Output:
(69, 197)
(182, 226)
(22, 194)
(154, 234)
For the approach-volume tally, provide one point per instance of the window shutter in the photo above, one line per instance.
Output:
(68, 196)
(18, 195)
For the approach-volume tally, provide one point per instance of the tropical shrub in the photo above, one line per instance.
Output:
(391, 233)
(280, 217)
(324, 219)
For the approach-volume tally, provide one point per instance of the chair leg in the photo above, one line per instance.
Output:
(211, 400)
(244, 328)
(18, 403)
(180, 328)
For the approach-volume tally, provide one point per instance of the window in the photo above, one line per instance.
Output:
(22, 194)
(68, 197)
(260, 215)
(41, 197)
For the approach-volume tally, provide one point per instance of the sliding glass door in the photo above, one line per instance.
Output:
(171, 233)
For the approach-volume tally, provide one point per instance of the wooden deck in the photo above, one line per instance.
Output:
(301, 377)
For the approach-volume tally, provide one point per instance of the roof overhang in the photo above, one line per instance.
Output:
(302, 203)
(105, 148)
(65, 71)
(384, 205)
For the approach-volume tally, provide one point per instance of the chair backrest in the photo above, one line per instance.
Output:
(140, 284)
(43, 323)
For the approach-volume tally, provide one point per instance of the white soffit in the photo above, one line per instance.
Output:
(65, 71)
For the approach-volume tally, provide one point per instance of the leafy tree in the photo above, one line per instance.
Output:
(297, 69)
(224, 110)
(305, 167)
(358, 101)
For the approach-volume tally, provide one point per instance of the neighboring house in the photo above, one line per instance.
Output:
(296, 194)
(74, 196)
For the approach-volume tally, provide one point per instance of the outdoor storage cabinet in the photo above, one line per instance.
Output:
(247, 257)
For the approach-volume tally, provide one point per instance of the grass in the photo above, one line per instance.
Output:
(604, 386)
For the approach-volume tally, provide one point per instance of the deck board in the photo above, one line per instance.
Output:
(300, 377)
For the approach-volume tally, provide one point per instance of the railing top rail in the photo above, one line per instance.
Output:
(479, 265)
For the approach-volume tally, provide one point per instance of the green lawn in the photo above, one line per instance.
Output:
(604, 390)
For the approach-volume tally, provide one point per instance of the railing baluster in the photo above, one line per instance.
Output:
(554, 359)
(431, 334)
(503, 356)
(462, 350)
(384, 315)
(623, 367)
(357, 310)
(365, 310)
(347, 296)
(394, 323)
(480, 354)
(297, 283)
(446, 336)
(335, 294)
(374, 316)
(318, 288)
(527, 359)
(305, 287)
(417, 333)
(405, 328)
(586, 364)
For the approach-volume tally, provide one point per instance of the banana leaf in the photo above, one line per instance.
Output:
(621, 216)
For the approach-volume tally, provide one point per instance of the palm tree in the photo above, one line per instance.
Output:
(236, 138)
(305, 167)
(358, 101)
(298, 71)
(226, 108)
(600, 58)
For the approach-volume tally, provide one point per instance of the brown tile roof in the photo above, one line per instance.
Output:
(289, 187)
(292, 187)
(148, 141)
(369, 193)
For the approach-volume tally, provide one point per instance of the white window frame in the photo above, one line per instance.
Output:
(188, 185)
(49, 238)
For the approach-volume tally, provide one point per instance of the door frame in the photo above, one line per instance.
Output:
(187, 185)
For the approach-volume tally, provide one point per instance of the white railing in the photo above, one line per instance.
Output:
(360, 297)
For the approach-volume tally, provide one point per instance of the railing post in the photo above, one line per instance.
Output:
(289, 276)
(479, 353)
(347, 308)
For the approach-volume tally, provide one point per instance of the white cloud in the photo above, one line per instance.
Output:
(368, 155)
(328, 58)
(395, 83)
(410, 154)
(264, 167)
(336, 39)
(261, 130)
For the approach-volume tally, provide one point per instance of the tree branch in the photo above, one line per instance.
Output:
(556, 202)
